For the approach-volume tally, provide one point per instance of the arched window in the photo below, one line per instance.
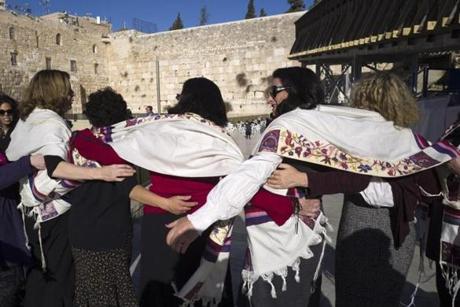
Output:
(12, 32)
(58, 39)
(94, 48)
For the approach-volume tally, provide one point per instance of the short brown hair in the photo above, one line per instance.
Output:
(48, 89)
(388, 95)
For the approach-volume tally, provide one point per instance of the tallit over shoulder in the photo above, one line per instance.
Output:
(353, 140)
(43, 132)
(179, 145)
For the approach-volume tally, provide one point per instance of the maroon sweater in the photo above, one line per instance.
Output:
(279, 208)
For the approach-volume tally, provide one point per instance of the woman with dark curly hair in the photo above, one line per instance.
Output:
(100, 219)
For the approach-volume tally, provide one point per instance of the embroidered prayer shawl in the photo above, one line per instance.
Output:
(449, 258)
(352, 140)
(43, 132)
(362, 142)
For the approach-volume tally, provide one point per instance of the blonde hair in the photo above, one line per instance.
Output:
(388, 95)
(48, 89)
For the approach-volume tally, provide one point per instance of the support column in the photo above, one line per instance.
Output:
(356, 69)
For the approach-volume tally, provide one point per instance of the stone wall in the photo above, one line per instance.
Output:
(34, 40)
(239, 56)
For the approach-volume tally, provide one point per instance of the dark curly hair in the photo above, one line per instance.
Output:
(304, 89)
(201, 96)
(105, 108)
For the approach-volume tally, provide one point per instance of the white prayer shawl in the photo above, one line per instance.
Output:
(43, 132)
(273, 249)
(353, 140)
(344, 138)
(178, 145)
(186, 146)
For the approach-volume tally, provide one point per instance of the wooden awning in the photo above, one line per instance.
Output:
(336, 31)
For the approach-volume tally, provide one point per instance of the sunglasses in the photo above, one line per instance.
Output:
(178, 97)
(275, 89)
(6, 112)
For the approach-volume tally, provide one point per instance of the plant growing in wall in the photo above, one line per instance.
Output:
(241, 79)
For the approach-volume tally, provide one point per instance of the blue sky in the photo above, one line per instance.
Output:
(160, 12)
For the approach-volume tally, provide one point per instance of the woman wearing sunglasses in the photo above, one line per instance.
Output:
(14, 256)
(8, 119)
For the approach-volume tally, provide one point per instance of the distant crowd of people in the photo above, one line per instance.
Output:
(248, 128)
(66, 229)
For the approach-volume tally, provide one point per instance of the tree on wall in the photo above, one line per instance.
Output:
(296, 6)
(251, 13)
(177, 24)
(204, 16)
(262, 13)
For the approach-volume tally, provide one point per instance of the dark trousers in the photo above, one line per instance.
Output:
(55, 286)
(160, 265)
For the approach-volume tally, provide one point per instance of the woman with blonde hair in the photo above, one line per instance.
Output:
(43, 130)
(375, 241)
(380, 217)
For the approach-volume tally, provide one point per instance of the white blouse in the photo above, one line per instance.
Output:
(232, 193)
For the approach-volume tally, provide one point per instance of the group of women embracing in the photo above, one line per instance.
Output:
(76, 188)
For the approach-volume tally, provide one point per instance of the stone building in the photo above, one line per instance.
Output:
(147, 69)
(77, 45)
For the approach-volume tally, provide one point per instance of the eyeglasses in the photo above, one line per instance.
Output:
(275, 89)
(6, 112)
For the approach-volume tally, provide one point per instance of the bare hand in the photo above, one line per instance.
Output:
(38, 162)
(310, 207)
(179, 204)
(286, 177)
(116, 172)
(181, 234)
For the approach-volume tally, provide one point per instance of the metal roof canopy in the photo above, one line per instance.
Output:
(368, 31)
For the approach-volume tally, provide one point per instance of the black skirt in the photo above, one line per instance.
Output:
(102, 278)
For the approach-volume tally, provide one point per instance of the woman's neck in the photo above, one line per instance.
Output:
(5, 129)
